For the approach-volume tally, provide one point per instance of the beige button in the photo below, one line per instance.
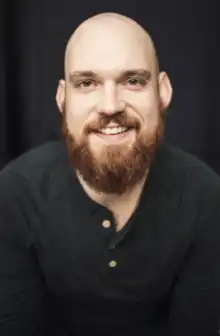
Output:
(112, 263)
(106, 224)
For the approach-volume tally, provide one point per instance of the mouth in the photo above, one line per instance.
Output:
(116, 134)
(114, 130)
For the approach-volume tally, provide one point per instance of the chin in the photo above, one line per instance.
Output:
(116, 148)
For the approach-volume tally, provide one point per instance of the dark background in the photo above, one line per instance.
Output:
(33, 36)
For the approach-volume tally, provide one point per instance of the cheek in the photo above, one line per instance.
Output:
(77, 111)
(75, 121)
(150, 118)
(82, 103)
(146, 106)
(76, 106)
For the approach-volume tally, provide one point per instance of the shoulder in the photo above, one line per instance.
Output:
(34, 172)
(188, 179)
(38, 160)
(179, 165)
(189, 190)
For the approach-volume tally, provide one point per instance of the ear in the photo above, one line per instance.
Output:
(60, 95)
(165, 90)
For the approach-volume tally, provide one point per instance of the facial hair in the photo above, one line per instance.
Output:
(119, 167)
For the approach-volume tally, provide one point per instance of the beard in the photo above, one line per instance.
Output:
(118, 167)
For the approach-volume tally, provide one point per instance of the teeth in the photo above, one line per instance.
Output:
(113, 130)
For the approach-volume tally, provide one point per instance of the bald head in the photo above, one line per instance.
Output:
(112, 86)
(106, 30)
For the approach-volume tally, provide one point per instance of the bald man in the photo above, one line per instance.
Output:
(109, 231)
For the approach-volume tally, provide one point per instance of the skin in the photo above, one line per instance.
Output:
(109, 45)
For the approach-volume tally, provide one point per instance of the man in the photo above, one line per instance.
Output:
(110, 232)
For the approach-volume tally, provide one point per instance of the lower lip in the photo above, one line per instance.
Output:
(115, 137)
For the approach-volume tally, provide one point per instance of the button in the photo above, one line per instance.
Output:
(106, 224)
(112, 263)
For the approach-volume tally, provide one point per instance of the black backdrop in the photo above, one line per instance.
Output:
(33, 35)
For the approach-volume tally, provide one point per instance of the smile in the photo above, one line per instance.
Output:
(115, 135)
(113, 130)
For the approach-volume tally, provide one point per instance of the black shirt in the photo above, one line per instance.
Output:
(64, 270)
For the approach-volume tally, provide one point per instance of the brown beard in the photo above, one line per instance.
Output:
(118, 168)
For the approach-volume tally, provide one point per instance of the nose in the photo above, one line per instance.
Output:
(110, 103)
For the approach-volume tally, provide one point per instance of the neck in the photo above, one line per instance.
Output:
(122, 206)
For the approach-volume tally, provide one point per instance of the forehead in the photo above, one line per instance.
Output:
(108, 48)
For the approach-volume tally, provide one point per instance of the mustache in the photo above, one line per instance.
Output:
(121, 120)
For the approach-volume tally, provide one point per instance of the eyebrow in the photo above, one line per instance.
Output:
(146, 74)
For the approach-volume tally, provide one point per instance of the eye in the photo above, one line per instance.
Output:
(85, 84)
(136, 82)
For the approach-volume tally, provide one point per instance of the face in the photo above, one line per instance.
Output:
(112, 103)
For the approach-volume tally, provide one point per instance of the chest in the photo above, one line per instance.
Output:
(88, 258)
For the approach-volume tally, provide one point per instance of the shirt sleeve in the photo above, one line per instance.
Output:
(24, 301)
(195, 308)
